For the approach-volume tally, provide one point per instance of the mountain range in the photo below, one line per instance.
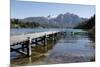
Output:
(67, 20)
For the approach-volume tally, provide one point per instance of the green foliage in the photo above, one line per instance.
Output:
(15, 23)
(87, 24)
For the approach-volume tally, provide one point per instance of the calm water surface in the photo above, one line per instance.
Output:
(26, 31)
(69, 48)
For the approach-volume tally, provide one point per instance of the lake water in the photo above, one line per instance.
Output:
(69, 48)
(26, 31)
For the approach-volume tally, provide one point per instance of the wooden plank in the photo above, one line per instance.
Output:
(20, 38)
(19, 51)
(29, 51)
(26, 42)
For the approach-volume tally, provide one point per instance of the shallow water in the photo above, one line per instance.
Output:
(69, 48)
(28, 30)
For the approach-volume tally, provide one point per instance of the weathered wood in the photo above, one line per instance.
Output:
(45, 43)
(53, 36)
(29, 52)
(23, 47)
(26, 44)
(13, 49)
(20, 38)
(44, 40)
(37, 40)
(19, 51)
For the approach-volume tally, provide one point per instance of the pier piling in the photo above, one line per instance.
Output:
(29, 52)
(25, 41)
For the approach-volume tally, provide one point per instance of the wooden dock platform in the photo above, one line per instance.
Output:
(26, 41)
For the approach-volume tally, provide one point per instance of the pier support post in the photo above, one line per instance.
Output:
(36, 42)
(45, 43)
(52, 36)
(29, 52)
(23, 47)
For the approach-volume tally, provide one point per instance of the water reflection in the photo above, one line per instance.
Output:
(69, 48)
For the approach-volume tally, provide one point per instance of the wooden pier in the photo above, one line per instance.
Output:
(23, 43)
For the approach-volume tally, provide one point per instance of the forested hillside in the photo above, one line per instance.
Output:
(16, 23)
(88, 25)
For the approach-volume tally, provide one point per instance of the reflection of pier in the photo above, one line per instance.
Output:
(23, 43)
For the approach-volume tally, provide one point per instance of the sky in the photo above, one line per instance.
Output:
(23, 9)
